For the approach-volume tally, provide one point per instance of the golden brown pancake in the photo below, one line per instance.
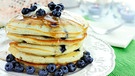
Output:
(40, 40)
(66, 26)
(61, 59)
(42, 50)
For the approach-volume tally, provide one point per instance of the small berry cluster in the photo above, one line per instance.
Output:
(39, 12)
(70, 67)
(13, 65)
(56, 9)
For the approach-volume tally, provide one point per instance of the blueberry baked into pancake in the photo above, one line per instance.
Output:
(47, 41)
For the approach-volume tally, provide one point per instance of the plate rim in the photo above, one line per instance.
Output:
(112, 51)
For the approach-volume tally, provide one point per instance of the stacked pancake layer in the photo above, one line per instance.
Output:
(47, 40)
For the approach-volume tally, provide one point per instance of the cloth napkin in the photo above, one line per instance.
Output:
(120, 37)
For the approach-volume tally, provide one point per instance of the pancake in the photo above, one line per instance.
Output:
(41, 50)
(61, 59)
(66, 26)
(40, 40)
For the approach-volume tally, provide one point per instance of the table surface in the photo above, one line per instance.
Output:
(125, 61)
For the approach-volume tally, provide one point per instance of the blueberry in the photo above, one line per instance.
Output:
(64, 69)
(80, 63)
(58, 8)
(58, 72)
(87, 59)
(86, 53)
(33, 8)
(56, 13)
(19, 68)
(25, 11)
(9, 66)
(51, 67)
(43, 72)
(90, 60)
(15, 63)
(10, 58)
(30, 70)
(62, 6)
(63, 48)
(63, 38)
(35, 3)
(51, 6)
(40, 12)
(71, 67)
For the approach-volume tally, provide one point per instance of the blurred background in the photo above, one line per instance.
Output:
(112, 21)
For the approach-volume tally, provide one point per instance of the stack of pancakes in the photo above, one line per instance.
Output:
(44, 40)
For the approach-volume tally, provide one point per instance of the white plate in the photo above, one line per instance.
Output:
(103, 64)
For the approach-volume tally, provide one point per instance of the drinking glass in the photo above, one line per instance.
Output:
(123, 12)
(96, 9)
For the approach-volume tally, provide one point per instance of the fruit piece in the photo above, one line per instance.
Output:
(30, 69)
(63, 38)
(25, 11)
(51, 6)
(43, 72)
(10, 58)
(87, 59)
(33, 8)
(71, 67)
(58, 8)
(19, 68)
(62, 6)
(58, 72)
(51, 68)
(63, 48)
(90, 60)
(86, 53)
(15, 63)
(56, 13)
(40, 12)
(35, 3)
(80, 63)
(9, 66)
(64, 69)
